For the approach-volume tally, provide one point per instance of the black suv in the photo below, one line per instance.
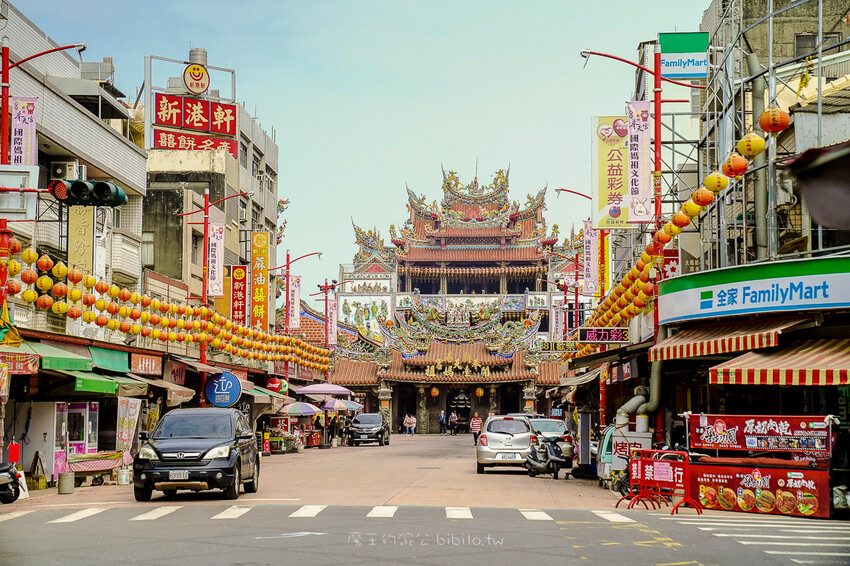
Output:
(197, 449)
(369, 427)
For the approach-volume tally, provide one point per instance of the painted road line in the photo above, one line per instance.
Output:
(613, 517)
(535, 515)
(308, 511)
(382, 511)
(458, 513)
(810, 531)
(797, 553)
(767, 543)
(78, 515)
(14, 515)
(233, 512)
(741, 535)
(755, 525)
(154, 514)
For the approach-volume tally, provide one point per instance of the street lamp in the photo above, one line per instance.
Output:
(4, 78)
(325, 289)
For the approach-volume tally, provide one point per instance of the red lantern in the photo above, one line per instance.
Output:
(44, 302)
(774, 120)
(44, 263)
(13, 287)
(29, 276)
(435, 392)
(735, 165)
(101, 287)
(479, 392)
(702, 197)
(14, 246)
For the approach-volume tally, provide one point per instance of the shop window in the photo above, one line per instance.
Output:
(243, 154)
(147, 249)
(807, 43)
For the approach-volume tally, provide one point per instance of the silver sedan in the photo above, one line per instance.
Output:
(504, 441)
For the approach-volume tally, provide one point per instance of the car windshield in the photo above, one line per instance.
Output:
(508, 426)
(194, 426)
(548, 425)
(369, 419)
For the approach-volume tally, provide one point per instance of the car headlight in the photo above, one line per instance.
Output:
(148, 453)
(218, 452)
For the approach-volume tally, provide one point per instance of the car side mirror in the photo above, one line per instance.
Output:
(246, 435)
(144, 435)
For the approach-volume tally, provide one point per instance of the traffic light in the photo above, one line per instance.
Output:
(87, 193)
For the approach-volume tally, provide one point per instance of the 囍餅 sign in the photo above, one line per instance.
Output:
(683, 55)
(810, 284)
(223, 390)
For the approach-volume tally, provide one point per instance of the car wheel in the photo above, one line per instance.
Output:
(381, 440)
(169, 493)
(232, 492)
(480, 468)
(253, 485)
(142, 493)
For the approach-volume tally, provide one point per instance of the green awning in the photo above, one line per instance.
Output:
(120, 385)
(54, 358)
(111, 360)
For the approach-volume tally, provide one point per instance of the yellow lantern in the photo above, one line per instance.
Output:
(672, 230)
(74, 295)
(44, 283)
(145, 317)
(14, 267)
(691, 208)
(751, 145)
(123, 311)
(89, 281)
(60, 270)
(113, 324)
(155, 304)
(101, 304)
(28, 256)
(113, 291)
(172, 336)
(135, 329)
(156, 333)
(88, 317)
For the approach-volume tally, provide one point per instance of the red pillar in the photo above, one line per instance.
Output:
(656, 175)
(4, 258)
(286, 316)
(203, 345)
(4, 119)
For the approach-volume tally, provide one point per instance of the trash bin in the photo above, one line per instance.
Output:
(66, 483)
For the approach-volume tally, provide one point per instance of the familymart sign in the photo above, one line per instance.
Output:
(683, 55)
(812, 284)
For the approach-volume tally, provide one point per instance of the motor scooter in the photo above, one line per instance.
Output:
(10, 483)
(546, 458)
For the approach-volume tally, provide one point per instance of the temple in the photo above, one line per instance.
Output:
(451, 315)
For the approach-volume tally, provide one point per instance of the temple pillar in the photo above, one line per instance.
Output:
(492, 407)
(529, 395)
(385, 398)
(421, 411)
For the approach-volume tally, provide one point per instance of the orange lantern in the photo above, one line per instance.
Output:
(751, 145)
(44, 302)
(680, 219)
(112, 308)
(75, 276)
(124, 326)
(435, 392)
(479, 392)
(124, 294)
(702, 197)
(661, 237)
(74, 312)
(101, 320)
(774, 120)
(146, 331)
(735, 165)
(101, 287)
(146, 301)
(13, 287)
(14, 245)
(44, 263)
(29, 276)
(60, 290)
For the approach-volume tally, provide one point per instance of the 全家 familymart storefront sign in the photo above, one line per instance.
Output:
(807, 284)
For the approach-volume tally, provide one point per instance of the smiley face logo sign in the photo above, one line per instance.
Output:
(196, 78)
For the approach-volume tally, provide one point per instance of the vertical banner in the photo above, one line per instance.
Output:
(591, 261)
(128, 416)
(332, 326)
(238, 294)
(81, 238)
(641, 206)
(24, 139)
(215, 261)
(557, 318)
(294, 301)
(609, 156)
(260, 280)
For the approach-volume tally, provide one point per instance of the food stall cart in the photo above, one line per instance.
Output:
(764, 482)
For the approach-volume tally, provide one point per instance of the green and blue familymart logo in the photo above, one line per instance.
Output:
(706, 300)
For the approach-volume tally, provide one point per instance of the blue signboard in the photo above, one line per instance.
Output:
(223, 390)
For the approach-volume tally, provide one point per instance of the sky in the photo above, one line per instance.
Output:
(368, 96)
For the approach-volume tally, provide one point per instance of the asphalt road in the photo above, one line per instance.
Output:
(417, 501)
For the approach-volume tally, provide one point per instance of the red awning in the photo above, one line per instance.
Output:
(804, 362)
(722, 339)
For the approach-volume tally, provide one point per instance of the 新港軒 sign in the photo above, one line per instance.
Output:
(223, 390)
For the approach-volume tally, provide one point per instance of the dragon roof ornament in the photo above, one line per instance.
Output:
(371, 246)
(533, 205)
(417, 206)
(494, 193)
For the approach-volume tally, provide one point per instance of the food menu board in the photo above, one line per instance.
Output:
(801, 492)
(760, 433)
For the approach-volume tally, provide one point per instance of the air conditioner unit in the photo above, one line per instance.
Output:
(64, 170)
(243, 215)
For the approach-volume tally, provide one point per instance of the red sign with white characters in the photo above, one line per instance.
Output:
(163, 139)
(196, 114)
(223, 119)
(763, 433)
(239, 293)
(169, 110)
(801, 492)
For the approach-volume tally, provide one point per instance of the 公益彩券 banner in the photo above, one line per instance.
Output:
(260, 280)
(215, 260)
(591, 261)
(609, 156)
(641, 209)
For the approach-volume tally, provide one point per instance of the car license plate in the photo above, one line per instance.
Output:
(364, 436)
(178, 474)
(508, 456)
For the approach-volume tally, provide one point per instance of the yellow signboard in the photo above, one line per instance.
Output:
(81, 238)
(260, 280)
(610, 202)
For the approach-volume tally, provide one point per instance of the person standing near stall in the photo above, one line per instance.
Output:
(442, 419)
(475, 428)
(453, 423)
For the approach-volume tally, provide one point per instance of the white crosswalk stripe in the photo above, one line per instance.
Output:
(613, 517)
(308, 511)
(82, 514)
(154, 514)
(536, 515)
(458, 513)
(382, 511)
(13, 515)
(234, 512)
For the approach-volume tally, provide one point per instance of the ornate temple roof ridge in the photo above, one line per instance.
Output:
(494, 193)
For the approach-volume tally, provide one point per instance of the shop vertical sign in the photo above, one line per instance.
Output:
(683, 55)
(591, 263)
(332, 326)
(238, 293)
(294, 301)
(24, 139)
(81, 238)
(215, 261)
(640, 201)
(609, 156)
(260, 280)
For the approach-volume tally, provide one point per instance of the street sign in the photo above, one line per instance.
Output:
(559, 346)
(683, 55)
(223, 390)
(603, 335)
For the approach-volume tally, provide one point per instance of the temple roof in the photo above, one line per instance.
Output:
(458, 353)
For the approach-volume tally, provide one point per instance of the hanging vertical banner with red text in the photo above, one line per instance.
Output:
(332, 327)
(294, 301)
(239, 293)
(24, 139)
(260, 280)
(610, 191)
(215, 261)
(640, 163)
(591, 263)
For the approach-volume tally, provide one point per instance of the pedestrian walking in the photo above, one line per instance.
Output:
(442, 419)
(475, 428)
(407, 424)
(453, 423)
(412, 425)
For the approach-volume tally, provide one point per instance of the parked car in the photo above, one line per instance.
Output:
(369, 427)
(504, 441)
(197, 449)
(551, 428)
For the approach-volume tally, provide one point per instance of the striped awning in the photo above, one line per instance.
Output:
(804, 362)
(722, 339)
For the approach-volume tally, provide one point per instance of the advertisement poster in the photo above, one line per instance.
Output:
(215, 260)
(260, 280)
(238, 294)
(761, 433)
(295, 301)
(591, 265)
(641, 206)
(610, 169)
(24, 149)
(128, 417)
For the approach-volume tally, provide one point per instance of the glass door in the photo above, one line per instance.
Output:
(91, 440)
(60, 442)
(77, 427)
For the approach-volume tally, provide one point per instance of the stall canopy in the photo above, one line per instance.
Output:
(581, 379)
(120, 385)
(110, 360)
(716, 339)
(56, 359)
(198, 366)
(804, 362)
(174, 394)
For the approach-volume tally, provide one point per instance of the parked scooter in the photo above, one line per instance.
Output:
(10, 483)
(546, 458)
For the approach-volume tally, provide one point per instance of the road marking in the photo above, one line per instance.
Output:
(14, 515)
(382, 511)
(78, 515)
(613, 517)
(796, 553)
(775, 536)
(275, 499)
(308, 511)
(154, 514)
(766, 543)
(234, 512)
(458, 513)
(811, 531)
(291, 535)
(535, 515)
(755, 524)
